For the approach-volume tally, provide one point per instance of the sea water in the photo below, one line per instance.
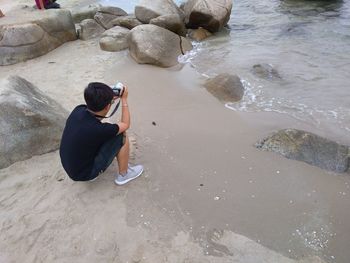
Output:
(307, 42)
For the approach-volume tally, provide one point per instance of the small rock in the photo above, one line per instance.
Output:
(89, 29)
(265, 71)
(104, 20)
(226, 87)
(114, 39)
(106, 15)
(172, 22)
(199, 34)
(60, 175)
(129, 21)
(86, 12)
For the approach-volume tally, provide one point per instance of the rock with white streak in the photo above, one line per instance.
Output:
(150, 44)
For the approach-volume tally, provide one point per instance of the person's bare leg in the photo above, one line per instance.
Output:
(123, 157)
(41, 5)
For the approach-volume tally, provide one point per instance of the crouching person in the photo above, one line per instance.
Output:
(47, 4)
(89, 146)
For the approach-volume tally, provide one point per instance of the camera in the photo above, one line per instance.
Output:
(118, 89)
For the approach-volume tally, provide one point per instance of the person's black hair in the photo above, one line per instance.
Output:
(97, 96)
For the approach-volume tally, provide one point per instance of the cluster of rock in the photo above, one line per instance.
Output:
(156, 34)
(97, 20)
(161, 23)
(30, 122)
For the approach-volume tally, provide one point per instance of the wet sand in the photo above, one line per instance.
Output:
(214, 178)
(207, 194)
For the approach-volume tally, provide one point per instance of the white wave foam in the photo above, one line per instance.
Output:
(189, 55)
(255, 98)
(255, 101)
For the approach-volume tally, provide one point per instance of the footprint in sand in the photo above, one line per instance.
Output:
(214, 247)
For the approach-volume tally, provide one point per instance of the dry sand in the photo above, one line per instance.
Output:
(207, 194)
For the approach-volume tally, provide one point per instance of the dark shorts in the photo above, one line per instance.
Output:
(106, 155)
(52, 5)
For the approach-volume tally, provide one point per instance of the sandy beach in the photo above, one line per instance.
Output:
(207, 194)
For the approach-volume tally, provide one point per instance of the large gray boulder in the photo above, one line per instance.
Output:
(106, 14)
(211, 15)
(308, 147)
(149, 9)
(171, 22)
(30, 122)
(90, 29)
(226, 87)
(150, 44)
(26, 33)
(114, 39)
(129, 21)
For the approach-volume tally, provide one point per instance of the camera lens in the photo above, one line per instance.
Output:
(118, 89)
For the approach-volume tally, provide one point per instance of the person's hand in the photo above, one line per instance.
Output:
(125, 93)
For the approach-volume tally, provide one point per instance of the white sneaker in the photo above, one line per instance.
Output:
(132, 173)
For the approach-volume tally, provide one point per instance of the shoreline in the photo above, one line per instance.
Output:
(195, 141)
